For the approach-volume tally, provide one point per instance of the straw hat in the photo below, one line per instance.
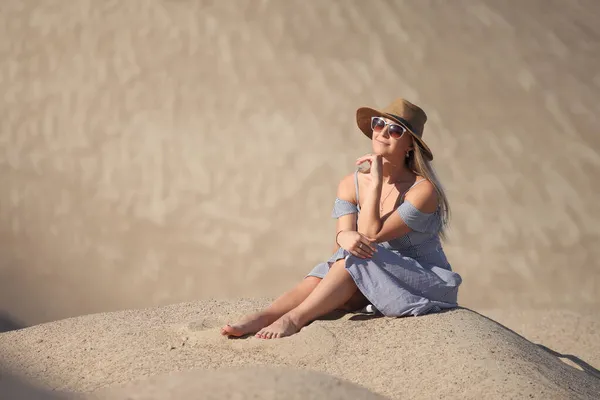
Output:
(402, 111)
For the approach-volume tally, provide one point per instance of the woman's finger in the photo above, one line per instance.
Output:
(368, 157)
(368, 243)
(356, 253)
(364, 251)
(362, 254)
(366, 247)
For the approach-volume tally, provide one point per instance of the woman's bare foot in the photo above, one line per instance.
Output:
(283, 327)
(249, 324)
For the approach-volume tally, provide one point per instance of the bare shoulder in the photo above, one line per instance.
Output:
(424, 196)
(346, 190)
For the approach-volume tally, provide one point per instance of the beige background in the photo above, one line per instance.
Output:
(154, 152)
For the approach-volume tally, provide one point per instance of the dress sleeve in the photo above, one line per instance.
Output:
(417, 220)
(343, 207)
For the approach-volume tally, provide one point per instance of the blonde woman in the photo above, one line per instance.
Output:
(390, 222)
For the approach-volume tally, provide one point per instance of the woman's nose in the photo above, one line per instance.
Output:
(384, 132)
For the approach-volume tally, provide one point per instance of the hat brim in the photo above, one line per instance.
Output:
(363, 120)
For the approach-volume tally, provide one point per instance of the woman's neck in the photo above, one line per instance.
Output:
(393, 173)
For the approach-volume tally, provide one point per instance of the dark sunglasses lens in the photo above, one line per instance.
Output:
(377, 123)
(396, 131)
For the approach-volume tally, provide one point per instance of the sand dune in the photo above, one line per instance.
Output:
(458, 354)
(572, 333)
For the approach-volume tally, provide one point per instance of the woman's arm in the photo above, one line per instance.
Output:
(369, 220)
(346, 222)
(423, 197)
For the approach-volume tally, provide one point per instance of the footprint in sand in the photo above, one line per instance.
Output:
(204, 324)
(201, 331)
(312, 343)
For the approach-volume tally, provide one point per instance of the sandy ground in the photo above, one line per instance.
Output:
(250, 382)
(458, 354)
(154, 152)
(573, 334)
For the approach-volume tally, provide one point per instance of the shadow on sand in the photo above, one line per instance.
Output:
(12, 387)
(7, 323)
(574, 359)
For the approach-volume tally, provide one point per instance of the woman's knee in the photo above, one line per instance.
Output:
(341, 263)
(311, 280)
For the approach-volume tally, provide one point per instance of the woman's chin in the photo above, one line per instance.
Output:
(380, 151)
(385, 153)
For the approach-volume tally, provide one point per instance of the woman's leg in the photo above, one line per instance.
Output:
(334, 291)
(356, 302)
(254, 322)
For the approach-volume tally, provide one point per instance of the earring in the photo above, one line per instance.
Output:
(407, 153)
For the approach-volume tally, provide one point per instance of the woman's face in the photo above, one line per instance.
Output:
(390, 139)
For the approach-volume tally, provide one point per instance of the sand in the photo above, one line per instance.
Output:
(175, 156)
(458, 354)
(573, 334)
(253, 382)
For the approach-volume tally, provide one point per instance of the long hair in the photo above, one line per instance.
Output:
(418, 164)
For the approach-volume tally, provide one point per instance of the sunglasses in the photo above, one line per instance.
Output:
(396, 131)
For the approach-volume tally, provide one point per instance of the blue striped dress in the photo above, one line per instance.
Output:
(409, 275)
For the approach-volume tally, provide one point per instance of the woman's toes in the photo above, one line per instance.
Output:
(226, 330)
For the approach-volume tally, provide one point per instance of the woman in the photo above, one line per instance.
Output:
(389, 224)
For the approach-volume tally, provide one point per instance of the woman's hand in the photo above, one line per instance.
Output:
(375, 165)
(356, 243)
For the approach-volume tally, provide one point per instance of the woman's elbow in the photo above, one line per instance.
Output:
(372, 233)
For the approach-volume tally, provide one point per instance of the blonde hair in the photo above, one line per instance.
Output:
(418, 164)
